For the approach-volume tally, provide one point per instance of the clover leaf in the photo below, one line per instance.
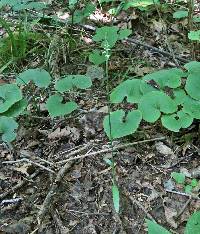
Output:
(120, 125)
(7, 128)
(9, 94)
(40, 77)
(56, 108)
(193, 81)
(193, 224)
(166, 78)
(176, 121)
(152, 104)
(70, 81)
(133, 90)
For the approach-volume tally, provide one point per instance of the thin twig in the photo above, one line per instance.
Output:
(115, 148)
(19, 185)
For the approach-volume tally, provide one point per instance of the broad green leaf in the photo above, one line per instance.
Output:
(154, 228)
(179, 96)
(70, 81)
(120, 125)
(16, 109)
(115, 194)
(193, 81)
(180, 14)
(191, 107)
(139, 3)
(107, 33)
(96, 58)
(40, 77)
(188, 188)
(132, 90)
(56, 108)
(176, 121)
(7, 128)
(166, 78)
(193, 224)
(95, 72)
(194, 35)
(178, 177)
(124, 33)
(80, 15)
(29, 6)
(9, 95)
(152, 104)
(194, 183)
(193, 67)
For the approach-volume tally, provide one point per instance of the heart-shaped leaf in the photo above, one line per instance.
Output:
(7, 128)
(193, 81)
(9, 95)
(132, 90)
(191, 107)
(40, 77)
(179, 96)
(56, 108)
(70, 81)
(180, 14)
(166, 78)
(193, 224)
(152, 104)
(177, 121)
(120, 125)
(16, 109)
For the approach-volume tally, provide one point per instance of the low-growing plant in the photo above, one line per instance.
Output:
(175, 100)
(14, 102)
(180, 178)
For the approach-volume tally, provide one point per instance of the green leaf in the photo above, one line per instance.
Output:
(132, 90)
(121, 127)
(96, 58)
(193, 224)
(188, 189)
(152, 104)
(56, 108)
(107, 33)
(178, 177)
(154, 228)
(196, 19)
(95, 72)
(194, 183)
(16, 109)
(40, 77)
(176, 121)
(7, 128)
(108, 161)
(9, 95)
(191, 107)
(70, 81)
(194, 35)
(180, 14)
(124, 33)
(193, 81)
(179, 96)
(166, 78)
(115, 194)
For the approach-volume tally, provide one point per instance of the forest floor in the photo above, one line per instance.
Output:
(81, 198)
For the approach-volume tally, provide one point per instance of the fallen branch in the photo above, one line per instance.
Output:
(52, 192)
